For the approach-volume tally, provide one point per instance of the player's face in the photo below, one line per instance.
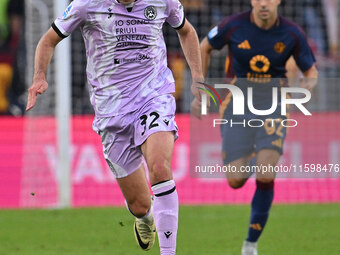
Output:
(265, 9)
(126, 2)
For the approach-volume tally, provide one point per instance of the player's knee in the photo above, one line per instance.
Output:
(236, 183)
(139, 207)
(268, 158)
(268, 179)
(160, 169)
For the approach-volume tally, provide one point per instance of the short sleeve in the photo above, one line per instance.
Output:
(217, 36)
(303, 54)
(176, 17)
(74, 15)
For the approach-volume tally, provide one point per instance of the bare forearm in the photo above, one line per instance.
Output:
(312, 77)
(43, 55)
(190, 46)
(311, 73)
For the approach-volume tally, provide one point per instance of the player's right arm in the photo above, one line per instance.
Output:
(74, 16)
(43, 55)
(217, 38)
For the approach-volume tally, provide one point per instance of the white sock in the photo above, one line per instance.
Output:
(165, 211)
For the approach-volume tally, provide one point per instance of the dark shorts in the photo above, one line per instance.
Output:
(240, 137)
(258, 132)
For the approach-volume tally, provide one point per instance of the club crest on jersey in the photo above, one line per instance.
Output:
(279, 47)
(150, 12)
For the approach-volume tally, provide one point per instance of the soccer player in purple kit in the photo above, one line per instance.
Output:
(260, 42)
(130, 89)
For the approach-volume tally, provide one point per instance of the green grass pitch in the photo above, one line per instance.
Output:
(212, 230)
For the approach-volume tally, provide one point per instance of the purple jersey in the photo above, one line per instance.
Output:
(125, 48)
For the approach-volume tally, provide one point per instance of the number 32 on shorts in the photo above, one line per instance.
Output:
(149, 121)
(273, 126)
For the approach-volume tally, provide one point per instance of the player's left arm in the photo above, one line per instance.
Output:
(305, 60)
(311, 76)
(191, 49)
(189, 43)
(293, 74)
